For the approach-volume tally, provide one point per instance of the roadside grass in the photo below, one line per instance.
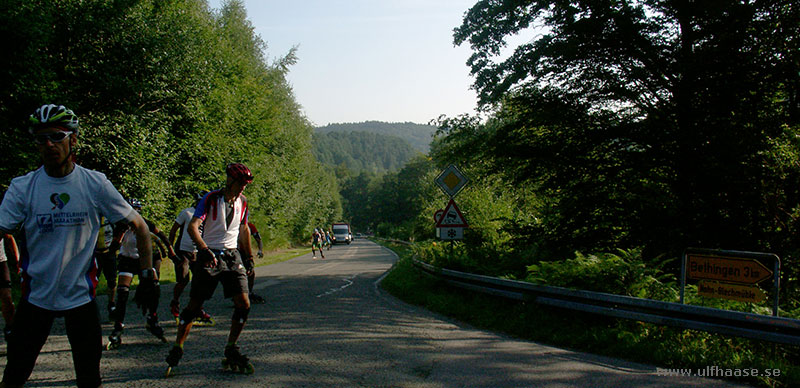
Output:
(661, 346)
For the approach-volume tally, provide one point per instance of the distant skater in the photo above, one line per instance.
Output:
(316, 243)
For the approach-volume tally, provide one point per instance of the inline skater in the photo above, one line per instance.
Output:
(328, 239)
(185, 261)
(316, 243)
(58, 208)
(128, 258)
(250, 265)
(7, 243)
(223, 214)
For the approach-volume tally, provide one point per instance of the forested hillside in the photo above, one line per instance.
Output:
(418, 135)
(362, 151)
(168, 93)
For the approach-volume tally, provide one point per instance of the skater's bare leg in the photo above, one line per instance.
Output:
(241, 305)
(192, 308)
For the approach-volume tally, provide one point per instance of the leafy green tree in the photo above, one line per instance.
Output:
(168, 93)
(639, 122)
(358, 201)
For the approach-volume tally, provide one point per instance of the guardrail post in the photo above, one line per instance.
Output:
(777, 267)
(683, 276)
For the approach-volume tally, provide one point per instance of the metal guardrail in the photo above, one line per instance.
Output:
(748, 325)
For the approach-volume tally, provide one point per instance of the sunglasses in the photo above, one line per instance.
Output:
(54, 137)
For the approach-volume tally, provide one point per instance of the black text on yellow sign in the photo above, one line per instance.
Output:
(726, 269)
(736, 292)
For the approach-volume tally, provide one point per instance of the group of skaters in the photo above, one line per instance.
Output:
(70, 222)
(320, 239)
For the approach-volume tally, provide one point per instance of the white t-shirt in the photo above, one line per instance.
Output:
(183, 219)
(128, 246)
(60, 218)
(213, 210)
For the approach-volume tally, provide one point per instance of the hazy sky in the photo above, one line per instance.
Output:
(360, 60)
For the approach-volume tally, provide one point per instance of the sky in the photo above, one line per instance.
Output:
(363, 60)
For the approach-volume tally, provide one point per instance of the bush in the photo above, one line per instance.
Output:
(624, 273)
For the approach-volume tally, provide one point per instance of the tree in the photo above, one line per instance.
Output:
(641, 122)
(168, 93)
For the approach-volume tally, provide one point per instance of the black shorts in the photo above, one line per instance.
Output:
(183, 261)
(132, 266)
(108, 265)
(229, 270)
(128, 265)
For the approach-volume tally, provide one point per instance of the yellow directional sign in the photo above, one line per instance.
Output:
(737, 292)
(726, 269)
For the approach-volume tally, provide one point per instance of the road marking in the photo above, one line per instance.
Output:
(348, 283)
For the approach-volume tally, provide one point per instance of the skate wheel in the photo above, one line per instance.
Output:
(249, 369)
(209, 323)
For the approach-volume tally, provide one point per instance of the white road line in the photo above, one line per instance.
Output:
(348, 283)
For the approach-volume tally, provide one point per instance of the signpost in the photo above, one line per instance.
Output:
(731, 275)
(451, 233)
(737, 292)
(451, 180)
(726, 269)
(436, 217)
(450, 222)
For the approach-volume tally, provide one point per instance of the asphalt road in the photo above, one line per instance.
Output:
(326, 323)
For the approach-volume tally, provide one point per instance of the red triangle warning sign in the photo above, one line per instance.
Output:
(452, 217)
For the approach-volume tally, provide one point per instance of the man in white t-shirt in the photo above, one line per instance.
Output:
(58, 208)
(223, 215)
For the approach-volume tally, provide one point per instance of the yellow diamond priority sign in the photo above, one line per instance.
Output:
(451, 180)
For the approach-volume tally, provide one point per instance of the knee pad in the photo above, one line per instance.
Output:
(240, 314)
(122, 303)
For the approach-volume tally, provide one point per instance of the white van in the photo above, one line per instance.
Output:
(341, 233)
